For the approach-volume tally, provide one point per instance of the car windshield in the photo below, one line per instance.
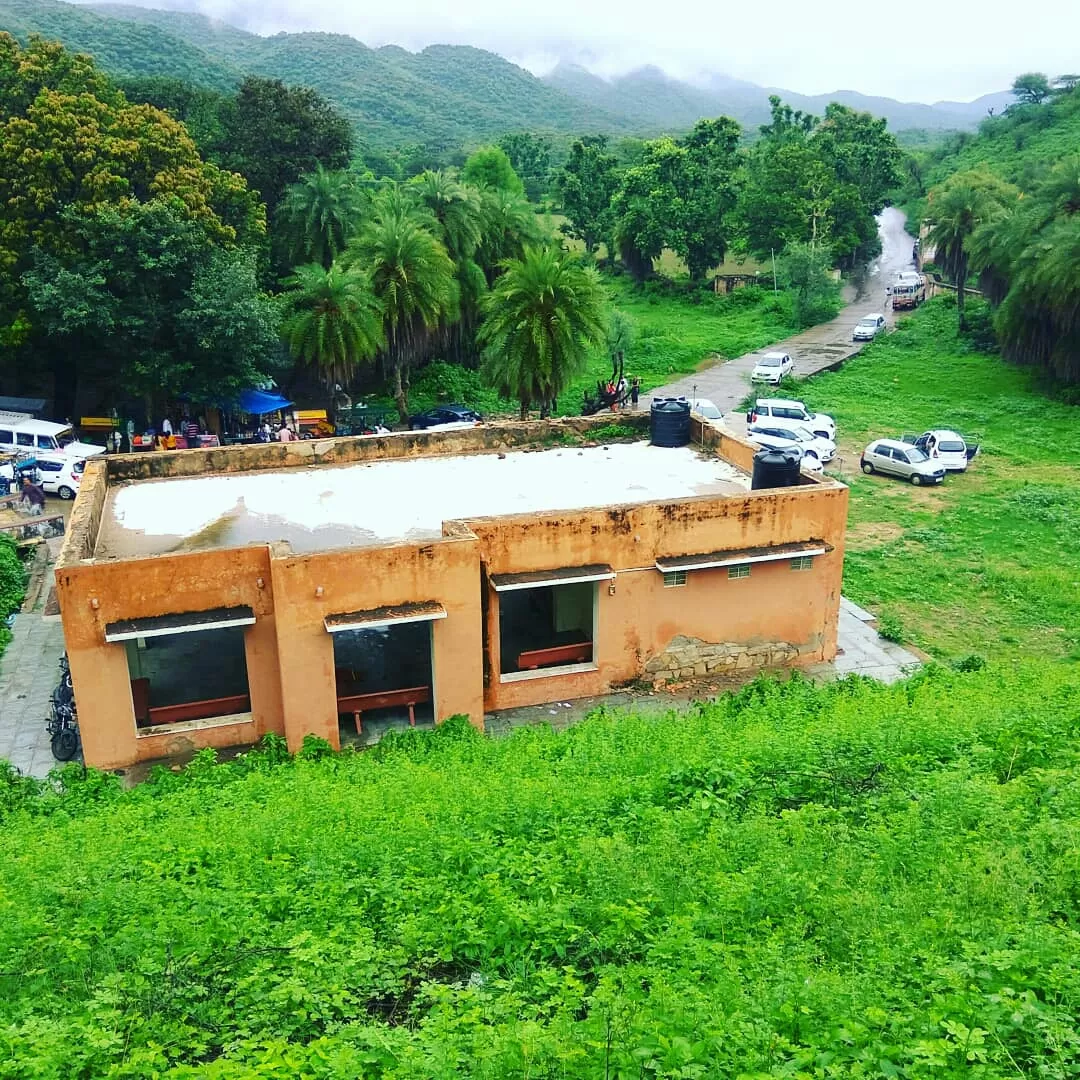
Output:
(951, 446)
(768, 361)
(869, 323)
(78, 467)
(710, 412)
(65, 437)
(915, 455)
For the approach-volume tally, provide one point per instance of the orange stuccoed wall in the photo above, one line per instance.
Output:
(290, 655)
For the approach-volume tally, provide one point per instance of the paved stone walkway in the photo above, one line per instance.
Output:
(28, 673)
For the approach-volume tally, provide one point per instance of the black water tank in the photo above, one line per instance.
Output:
(669, 421)
(775, 468)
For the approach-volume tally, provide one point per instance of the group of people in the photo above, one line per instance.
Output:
(284, 433)
(616, 393)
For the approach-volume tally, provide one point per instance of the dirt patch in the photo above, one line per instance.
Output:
(872, 534)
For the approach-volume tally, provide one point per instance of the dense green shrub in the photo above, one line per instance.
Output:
(852, 880)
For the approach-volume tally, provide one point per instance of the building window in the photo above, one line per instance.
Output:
(547, 626)
(674, 578)
(802, 562)
(739, 571)
(188, 677)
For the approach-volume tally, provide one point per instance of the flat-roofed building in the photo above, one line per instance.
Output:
(209, 597)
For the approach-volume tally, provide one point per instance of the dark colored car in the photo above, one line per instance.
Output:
(443, 415)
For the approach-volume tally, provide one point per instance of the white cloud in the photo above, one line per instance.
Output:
(956, 50)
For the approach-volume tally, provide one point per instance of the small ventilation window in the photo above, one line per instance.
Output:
(674, 578)
(802, 562)
(739, 571)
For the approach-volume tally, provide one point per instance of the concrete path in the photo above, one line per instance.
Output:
(863, 652)
(725, 384)
(29, 669)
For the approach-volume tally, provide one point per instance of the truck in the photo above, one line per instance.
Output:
(908, 291)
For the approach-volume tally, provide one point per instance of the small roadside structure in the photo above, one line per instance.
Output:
(213, 596)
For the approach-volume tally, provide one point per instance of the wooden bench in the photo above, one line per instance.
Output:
(199, 710)
(384, 699)
(578, 653)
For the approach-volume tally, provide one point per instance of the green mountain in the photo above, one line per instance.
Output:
(448, 96)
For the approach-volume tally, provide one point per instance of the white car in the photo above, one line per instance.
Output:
(706, 409)
(868, 327)
(823, 449)
(23, 433)
(810, 461)
(60, 475)
(766, 410)
(945, 447)
(903, 460)
(773, 367)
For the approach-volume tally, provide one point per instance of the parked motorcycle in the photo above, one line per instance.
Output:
(63, 722)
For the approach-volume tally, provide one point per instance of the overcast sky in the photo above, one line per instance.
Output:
(955, 50)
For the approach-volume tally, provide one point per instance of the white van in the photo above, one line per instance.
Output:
(30, 436)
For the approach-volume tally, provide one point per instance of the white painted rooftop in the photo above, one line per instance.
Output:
(325, 507)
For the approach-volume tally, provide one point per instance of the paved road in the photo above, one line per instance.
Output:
(821, 347)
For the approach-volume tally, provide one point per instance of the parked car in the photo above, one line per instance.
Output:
(868, 327)
(773, 367)
(60, 475)
(810, 461)
(823, 449)
(901, 459)
(706, 409)
(25, 433)
(947, 447)
(446, 416)
(765, 410)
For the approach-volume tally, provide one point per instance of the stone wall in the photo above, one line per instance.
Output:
(692, 658)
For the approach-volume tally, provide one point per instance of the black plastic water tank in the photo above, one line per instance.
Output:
(776, 467)
(669, 421)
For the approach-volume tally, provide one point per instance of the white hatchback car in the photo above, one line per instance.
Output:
(868, 327)
(773, 367)
(60, 475)
(706, 409)
(946, 447)
(903, 460)
(767, 410)
(810, 461)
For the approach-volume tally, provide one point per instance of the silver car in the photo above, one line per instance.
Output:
(901, 459)
(868, 327)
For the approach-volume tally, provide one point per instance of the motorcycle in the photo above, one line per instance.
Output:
(63, 722)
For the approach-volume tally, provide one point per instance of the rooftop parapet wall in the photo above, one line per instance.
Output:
(85, 521)
(493, 437)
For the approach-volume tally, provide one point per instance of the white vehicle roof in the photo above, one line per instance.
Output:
(774, 356)
(36, 427)
(782, 403)
(945, 433)
(872, 317)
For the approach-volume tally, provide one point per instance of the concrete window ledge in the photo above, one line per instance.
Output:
(545, 673)
(195, 725)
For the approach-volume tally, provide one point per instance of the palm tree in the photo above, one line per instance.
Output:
(412, 277)
(509, 225)
(543, 317)
(319, 214)
(962, 205)
(457, 209)
(334, 321)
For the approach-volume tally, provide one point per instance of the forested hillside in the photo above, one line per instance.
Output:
(444, 97)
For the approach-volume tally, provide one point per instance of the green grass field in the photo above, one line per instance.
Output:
(798, 881)
(988, 563)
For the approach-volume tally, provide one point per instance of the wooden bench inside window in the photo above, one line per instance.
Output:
(577, 653)
(199, 710)
(384, 699)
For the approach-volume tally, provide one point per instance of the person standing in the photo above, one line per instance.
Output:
(166, 427)
(191, 432)
(635, 391)
(33, 497)
(286, 434)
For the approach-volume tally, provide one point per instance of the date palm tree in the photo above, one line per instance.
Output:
(333, 320)
(319, 214)
(544, 316)
(412, 278)
(966, 202)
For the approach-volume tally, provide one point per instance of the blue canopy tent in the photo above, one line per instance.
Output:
(260, 402)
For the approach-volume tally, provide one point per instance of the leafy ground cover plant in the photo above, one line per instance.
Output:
(851, 880)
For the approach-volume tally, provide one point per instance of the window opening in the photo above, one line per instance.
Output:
(547, 626)
(674, 578)
(742, 571)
